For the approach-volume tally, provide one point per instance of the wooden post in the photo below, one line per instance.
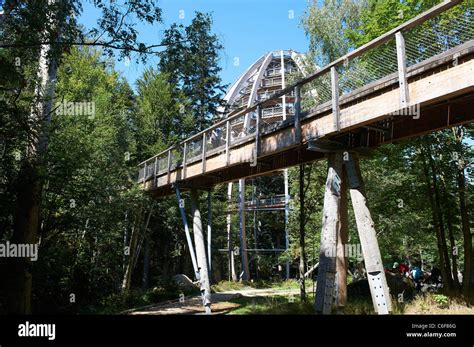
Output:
(402, 70)
(330, 230)
(200, 252)
(297, 114)
(232, 274)
(185, 149)
(169, 166)
(368, 239)
(204, 149)
(243, 236)
(341, 252)
(335, 98)
(155, 171)
(145, 174)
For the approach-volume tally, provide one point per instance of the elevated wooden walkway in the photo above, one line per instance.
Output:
(414, 98)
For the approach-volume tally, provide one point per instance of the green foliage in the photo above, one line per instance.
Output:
(326, 25)
(156, 122)
(441, 300)
(191, 62)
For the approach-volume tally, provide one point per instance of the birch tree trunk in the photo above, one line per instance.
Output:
(29, 184)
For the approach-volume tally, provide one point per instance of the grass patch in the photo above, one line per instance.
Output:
(287, 305)
(287, 284)
(438, 304)
(429, 303)
(283, 305)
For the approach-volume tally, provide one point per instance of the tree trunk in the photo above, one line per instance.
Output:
(232, 273)
(468, 274)
(127, 277)
(30, 182)
(146, 264)
(452, 243)
(437, 219)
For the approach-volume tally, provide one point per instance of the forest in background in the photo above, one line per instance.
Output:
(68, 179)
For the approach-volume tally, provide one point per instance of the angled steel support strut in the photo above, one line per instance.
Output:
(186, 230)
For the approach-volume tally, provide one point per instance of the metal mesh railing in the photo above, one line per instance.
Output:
(317, 92)
(193, 150)
(439, 34)
(435, 34)
(368, 67)
(216, 138)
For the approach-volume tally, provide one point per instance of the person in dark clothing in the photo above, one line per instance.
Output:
(434, 275)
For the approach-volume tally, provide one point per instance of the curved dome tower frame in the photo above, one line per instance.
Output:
(269, 74)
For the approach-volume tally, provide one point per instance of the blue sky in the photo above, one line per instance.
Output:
(246, 28)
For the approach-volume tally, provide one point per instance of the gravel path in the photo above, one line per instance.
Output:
(220, 304)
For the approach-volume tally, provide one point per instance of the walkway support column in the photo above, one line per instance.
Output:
(200, 251)
(209, 231)
(287, 216)
(243, 235)
(186, 230)
(330, 229)
(342, 260)
(368, 238)
(230, 246)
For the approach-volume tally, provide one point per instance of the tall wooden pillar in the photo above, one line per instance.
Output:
(200, 252)
(333, 258)
(330, 229)
(368, 239)
(342, 260)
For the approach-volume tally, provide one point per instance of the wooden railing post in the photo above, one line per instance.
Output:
(169, 165)
(203, 155)
(297, 114)
(402, 70)
(155, 171)
(335, 98)
(185, 146)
